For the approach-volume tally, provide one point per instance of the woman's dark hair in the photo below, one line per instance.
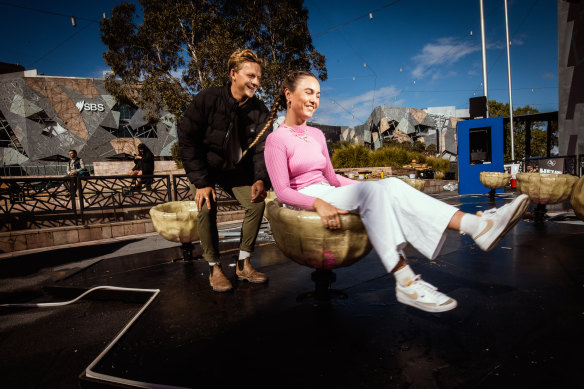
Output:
(290, 82)
(74, 152)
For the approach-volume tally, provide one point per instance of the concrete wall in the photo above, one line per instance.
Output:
(571, 76)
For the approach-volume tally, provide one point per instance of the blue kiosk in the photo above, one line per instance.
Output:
(480, 149)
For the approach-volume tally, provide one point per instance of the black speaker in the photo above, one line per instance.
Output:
(478, 107)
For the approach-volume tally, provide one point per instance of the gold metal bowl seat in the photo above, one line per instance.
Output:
(417, 183)
(176, 221)
(494, 181)
(301, 236)
(545, 188)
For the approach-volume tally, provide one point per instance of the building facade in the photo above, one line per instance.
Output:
(43, 117)
(430, 126)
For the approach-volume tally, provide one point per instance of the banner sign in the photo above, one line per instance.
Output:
(551, 165)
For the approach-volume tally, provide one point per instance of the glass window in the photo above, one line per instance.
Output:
(479, 141)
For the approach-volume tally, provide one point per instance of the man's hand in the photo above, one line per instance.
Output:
(204, 195)
(258, 192)
(329, 214)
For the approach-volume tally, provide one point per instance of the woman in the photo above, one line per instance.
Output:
(392, 212)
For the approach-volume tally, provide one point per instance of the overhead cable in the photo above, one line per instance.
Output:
(365, 15)
(47, 12)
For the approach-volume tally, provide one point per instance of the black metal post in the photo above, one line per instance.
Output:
(539, 214)
(549, 139)
(80, 194)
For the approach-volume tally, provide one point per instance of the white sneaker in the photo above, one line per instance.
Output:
(497, 222)
(424, 296)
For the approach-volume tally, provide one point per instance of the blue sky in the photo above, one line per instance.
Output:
(414, 53)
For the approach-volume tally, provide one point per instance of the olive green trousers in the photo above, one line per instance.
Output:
(207, 222)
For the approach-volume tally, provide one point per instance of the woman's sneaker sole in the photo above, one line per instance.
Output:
(425, 307)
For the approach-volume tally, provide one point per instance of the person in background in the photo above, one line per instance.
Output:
(143, 166)
(393, 213)
(221, 141)
(76, 167)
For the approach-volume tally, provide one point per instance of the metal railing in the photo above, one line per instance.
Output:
(182, 192)
(37, 170)
(37, 196)
(30, 197)
(119, 192)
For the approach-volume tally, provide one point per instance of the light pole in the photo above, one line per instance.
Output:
(509, 77)
(484, 51)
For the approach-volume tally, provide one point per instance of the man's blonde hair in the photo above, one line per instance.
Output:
(240, 56)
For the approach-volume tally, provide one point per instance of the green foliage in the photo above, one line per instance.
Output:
(340, 144)
(431, 149)
(176, 155)
(349, 156)
(419, 147)
(182, 46)
(538, 131)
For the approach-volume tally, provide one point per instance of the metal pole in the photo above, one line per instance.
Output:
(484, 51)
(509, 77)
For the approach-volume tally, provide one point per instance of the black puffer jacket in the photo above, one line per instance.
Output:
(206, 129)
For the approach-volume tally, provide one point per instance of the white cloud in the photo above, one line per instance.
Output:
(498, 45)
(440, 74)
(549, 76)
(518, 40)
(355, 110)
(444, 51)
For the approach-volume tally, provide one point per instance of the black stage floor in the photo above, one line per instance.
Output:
(519, 321)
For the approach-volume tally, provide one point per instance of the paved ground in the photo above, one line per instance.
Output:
(519, 319)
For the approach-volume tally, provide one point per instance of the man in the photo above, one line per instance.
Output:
(76, 166)
(219, 144)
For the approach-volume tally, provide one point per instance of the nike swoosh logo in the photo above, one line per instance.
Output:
(413, 296)
(486, 229)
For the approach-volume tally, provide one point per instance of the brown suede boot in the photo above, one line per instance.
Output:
(217, 279)
(246, 272)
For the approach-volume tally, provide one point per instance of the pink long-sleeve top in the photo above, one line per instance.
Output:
(295, 161)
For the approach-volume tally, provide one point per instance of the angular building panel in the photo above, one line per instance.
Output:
(42, 116)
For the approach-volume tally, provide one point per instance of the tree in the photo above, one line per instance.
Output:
(538, 131)
(182, 46)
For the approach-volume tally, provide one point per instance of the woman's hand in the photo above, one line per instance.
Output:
(329, 214)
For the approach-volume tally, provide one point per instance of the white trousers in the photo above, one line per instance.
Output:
(393, 214)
